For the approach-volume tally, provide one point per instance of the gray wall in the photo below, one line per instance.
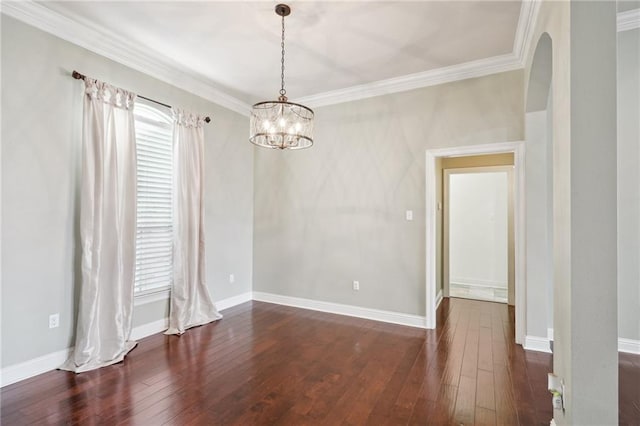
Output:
(539, 248)
(625, 5)
(336, 212)
(41, 147)
(592, 388)
(629, 184)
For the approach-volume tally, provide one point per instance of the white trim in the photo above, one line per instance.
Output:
(24, 370)
(439, 298)
(478, 282)
(470, 282)
(473, 69)
(86, 34)
(518, 149)
(79, 31)
(83, 33)
(42, 364)
(625, 345)
(519, 235)
(232, 301)
(539, 344)
(629, 346)
(502, 63)
(629, 20)
(524, 32)
(164, 294)
(340, 309)
(431, 235)
(150, 328)
(33, 367)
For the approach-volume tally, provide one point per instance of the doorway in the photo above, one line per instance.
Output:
(433, 208)
(477, 228)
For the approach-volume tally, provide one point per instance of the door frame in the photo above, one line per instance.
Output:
(431, 205)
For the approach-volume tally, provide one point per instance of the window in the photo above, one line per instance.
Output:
(154, 259)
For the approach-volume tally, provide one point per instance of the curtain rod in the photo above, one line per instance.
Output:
(79, 76)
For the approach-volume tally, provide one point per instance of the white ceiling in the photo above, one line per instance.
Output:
(330, 45)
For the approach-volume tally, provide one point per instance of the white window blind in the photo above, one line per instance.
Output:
(154, 259)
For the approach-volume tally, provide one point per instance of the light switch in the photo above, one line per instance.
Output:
(409, 214)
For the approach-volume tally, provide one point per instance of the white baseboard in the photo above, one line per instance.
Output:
(33, 367)
(629, 346)
(42, 364)
(161, 325)
(438, 298)
(148, 329)
(340, 309)
(535, 343)
(233, 301)
(474, 282)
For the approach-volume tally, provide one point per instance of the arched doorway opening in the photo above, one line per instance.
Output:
(539, 195)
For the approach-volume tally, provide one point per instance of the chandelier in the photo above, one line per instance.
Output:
(281, 124)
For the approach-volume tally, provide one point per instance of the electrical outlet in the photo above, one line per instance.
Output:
(356, 285)
(54, 320)
(232, 278)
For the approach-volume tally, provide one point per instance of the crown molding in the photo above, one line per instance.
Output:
(516, 60)
(75, 30)
(629, 20)
(524, 32)
(84, 34)
(479, 68)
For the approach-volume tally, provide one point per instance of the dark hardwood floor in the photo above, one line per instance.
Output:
(270, 364)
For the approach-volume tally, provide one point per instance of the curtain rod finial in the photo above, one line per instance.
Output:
(75, 74)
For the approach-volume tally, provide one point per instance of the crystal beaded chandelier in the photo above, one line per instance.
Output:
(281, 124)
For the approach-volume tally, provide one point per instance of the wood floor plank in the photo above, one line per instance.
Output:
(386, 409)
(421, 411)
(444, 406)
(265, 364)
(409, 396)
(506, 413)
(485, 356)
(485, 392)
(484, 417)
(470, 358)
(465, 401)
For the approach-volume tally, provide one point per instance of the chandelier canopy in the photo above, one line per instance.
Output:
(281, 124)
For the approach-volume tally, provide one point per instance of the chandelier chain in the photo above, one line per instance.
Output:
(282, 90)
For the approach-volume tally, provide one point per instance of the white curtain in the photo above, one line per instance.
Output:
(191, 304)
(107, 228)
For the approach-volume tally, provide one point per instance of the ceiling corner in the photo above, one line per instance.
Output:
(473, 69)
(121, 50)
